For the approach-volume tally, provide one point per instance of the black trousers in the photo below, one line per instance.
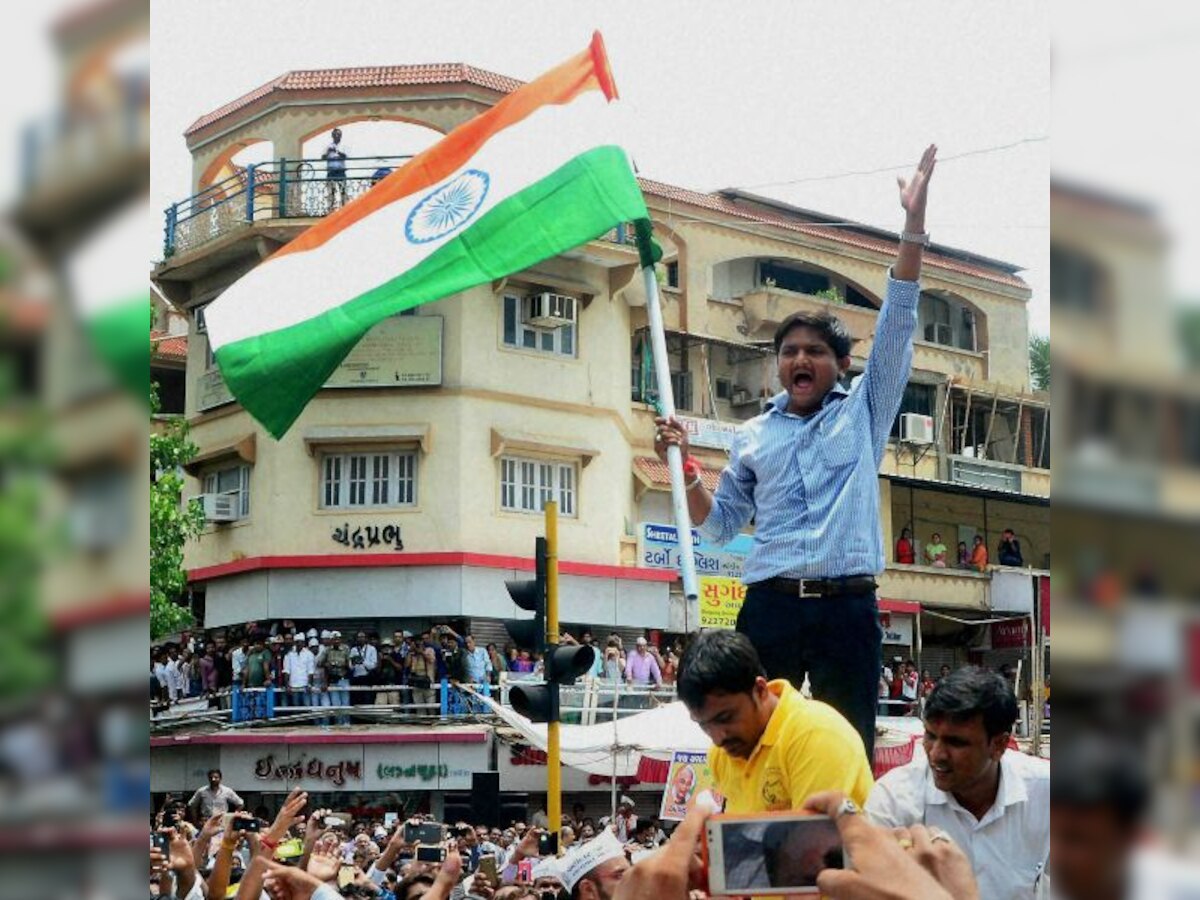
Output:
(837, 641)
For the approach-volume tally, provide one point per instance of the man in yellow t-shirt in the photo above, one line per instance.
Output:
(773, 748)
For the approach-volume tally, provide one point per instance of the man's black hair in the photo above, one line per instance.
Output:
(831, 329)
(211, 771)
(717, 660)
(970, 691)
(1101, 773)
(409, 880)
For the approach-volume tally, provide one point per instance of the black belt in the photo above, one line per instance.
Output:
(820, 587)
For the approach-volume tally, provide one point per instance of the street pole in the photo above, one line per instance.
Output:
(553, 747)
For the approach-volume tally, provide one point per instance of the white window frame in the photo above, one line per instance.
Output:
(379, 478)
(556, 337)
(526, 483)
(212, 482)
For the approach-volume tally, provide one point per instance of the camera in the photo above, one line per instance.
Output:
(247, 825)
(548, 843)
(424, 832)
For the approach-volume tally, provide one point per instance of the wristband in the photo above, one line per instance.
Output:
(692, 467)
(692, 484)
(915, 237)
(269, 844)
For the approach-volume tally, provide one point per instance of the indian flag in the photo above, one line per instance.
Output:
(109, 281)
(537, 174)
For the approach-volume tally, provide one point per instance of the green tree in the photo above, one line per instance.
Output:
(172, 523)
(1039, 362)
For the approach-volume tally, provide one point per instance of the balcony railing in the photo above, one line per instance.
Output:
(587, 702)
(284, 189)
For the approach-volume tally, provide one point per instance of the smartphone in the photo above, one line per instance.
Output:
(431, 853)
(390, 819)
(247, 825)
(160, 842)
(525, 870)
(548, 843)
(426, 833)
(777, 854)
(487, 865)
(333, 821)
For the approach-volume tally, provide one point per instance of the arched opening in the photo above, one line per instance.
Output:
(948, 320)
(733, 278)
(1077, 282)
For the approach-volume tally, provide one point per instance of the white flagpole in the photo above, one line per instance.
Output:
(662, 371)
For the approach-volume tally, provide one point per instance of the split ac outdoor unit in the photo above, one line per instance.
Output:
(916, 428)
(219, 507)
(549, 310)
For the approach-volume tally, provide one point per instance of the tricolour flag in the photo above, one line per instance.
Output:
(537, 174)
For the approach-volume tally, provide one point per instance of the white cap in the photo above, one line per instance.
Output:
(586, 857)
(326, 634)
(625, 800)
(547, 867)
(312, 632)
(334, 634)
(313, 642)
(641, 642)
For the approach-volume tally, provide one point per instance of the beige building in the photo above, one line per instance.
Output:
(412, 484)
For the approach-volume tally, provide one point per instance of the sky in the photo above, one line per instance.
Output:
(717, 96)
(786, 99)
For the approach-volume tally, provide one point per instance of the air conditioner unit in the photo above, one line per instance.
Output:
(549, 310)
(916, 428)
(740, 395)
(219, 507)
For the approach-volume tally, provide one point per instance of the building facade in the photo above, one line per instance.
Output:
(413, 484)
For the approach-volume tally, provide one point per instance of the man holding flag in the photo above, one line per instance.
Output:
(806, 472)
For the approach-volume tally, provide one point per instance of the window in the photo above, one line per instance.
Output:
(369, 480)
(681, 387)
(1075, 281)
(790, 279)
(724, 388)
(557, 341)
(526, 485)
(673, 274)
(935, 314)
(233, 480)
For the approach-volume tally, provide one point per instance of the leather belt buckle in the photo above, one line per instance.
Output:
(807, 587)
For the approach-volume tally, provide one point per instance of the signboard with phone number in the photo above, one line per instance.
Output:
(720, 601)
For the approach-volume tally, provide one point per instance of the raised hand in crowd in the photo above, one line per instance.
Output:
(395, 846)
(289, 883)
(447, 878)
(887, 867)
(181, 861)
(323, 864)
(527, 847)
(289, 815)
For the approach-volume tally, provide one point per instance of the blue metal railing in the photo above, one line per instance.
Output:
(284, 189)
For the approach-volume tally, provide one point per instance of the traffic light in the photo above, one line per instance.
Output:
(539, 703)
(530, 595)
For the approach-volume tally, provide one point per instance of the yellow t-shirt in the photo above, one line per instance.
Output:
(807, 747)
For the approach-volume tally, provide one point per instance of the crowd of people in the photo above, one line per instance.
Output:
(975, 557)
(321, 667)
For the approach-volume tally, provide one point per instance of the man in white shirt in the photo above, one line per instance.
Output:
(993, 802)
(364, 660)
(237, 659)
(298, 667)
(175, 686)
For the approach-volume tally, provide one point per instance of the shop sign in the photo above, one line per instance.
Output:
(1010, 634)
(720, 601)
(365, 537)
(519, 771)
(897, 628)
(429, 767)
(658, 548)
(267, 769)
(421, 771)
(709, 432)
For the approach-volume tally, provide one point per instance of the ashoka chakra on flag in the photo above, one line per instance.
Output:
(448, 208)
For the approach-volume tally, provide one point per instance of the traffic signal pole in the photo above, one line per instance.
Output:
(553, 747)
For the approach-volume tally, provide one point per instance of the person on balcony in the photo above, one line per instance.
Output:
(964, 555)
(979, 555)
(935, 552)
(1010, 549)
(905, 553)
(335, 169)
(807, 472)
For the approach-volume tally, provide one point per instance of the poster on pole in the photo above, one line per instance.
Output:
(688, 777)
(721, 600)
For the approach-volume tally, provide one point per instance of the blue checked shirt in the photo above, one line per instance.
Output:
(812, 484)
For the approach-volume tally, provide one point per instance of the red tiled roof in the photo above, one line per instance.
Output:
(656, 472)
(363, 77)
(720, 204)
(171, 346)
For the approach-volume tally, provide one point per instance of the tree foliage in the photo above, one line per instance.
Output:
(1039, 362)
(172, 522)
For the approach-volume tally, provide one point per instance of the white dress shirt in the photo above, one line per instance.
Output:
(299, 667)
(1008, 847)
